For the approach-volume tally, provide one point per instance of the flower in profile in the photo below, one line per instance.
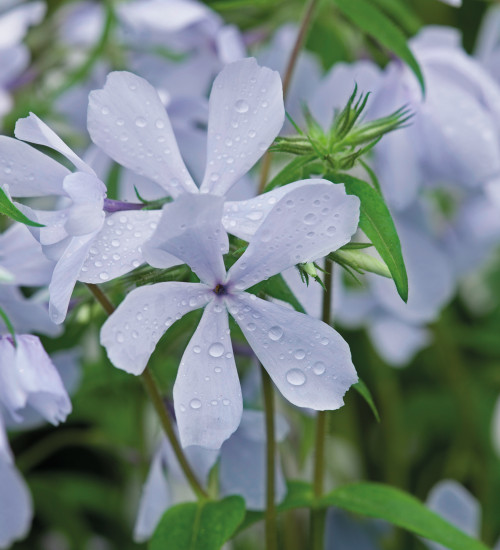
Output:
(308, 360)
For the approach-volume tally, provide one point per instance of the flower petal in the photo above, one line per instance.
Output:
(15, 22)
(132, 332)
(28, 172)
(246, 113)
(65, 276)
(190, 229)
(12, 395)
(306, 224)
(207, 392)
(128, 121)
(116, 249)
(243, 218)
(5, 452)
(16, 508)
(308, 360)
(243, 462)
(40, 380)
(34, 130)
(155, 500)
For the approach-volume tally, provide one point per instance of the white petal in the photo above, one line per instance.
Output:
(132, 332)
(28, 172)
(128, 121)
(117, 248)
(243, 218)
(246, 113)
(12, 395)
(456, 505)
(201, 460)
(16, 508)
(230, 44)
(13, 61)
(396, 341)
(65, 276)
(40, 380)
(15, 22)
(34, 130)
(306, 224)
(155, 500)
(86, 214)
(5, 452)
(191, 229)
(207, 392)
(309, 361)
(243, 463)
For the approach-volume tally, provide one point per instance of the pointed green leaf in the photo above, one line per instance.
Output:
(378, 25)
(293, 171)
(399, 508)
(8, 208)
(365, 393)
(376, 222)
(400, 11)
(198, 526)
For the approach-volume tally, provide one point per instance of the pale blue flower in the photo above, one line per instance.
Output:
(308, 360)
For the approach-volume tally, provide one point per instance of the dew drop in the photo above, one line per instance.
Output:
(241, 106)
(120, 122)
(331, 230)
(197, 349)
(115, 243)
(105, 111)
(226, 402)
(160, 124)
(295, 377)
(104, 276)
(275, 333)
(193, 301)
(299, 354)
(319, 368)
(216, 350)
(195, 404)
(251, 327)
(309, 219)
(120, 338)
(217, 369)
(140, 122)
(135, 334)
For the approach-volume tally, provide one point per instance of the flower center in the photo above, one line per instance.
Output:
(220, 290)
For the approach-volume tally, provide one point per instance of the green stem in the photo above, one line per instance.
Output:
(157, 401)
(271, 526)
(287, 79)
(318, 516)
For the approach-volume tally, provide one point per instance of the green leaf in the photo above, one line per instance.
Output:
(393, 505)
(365, 393)
(8, 208)
(198, 526)
(373, 21)
(293, 171)
(376, 222)
(360, 262)
(401, 13)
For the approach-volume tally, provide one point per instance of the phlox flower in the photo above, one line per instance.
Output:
(308, 360)
(84, 236)
(242, 471)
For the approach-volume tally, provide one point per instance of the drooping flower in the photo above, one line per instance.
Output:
(308, 360)
(242, 471)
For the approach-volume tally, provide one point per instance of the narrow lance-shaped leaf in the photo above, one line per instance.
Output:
(401, 509)
(8, 208)
(365, 393)
(376, 222)
(378, 25)
(198, 526)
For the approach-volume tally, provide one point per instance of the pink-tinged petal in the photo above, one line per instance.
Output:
(246, 113)
(306, 224)
(190, 229)
(40, 380)
(128, 121)
(34, 130)
(16, 507)
(132, 332)
(155, 500)
(65, 276)
(117, 248)
(243, 218)
(308, 360)
(397, 342)
(86, 213)
(28, 172)
(207, 392)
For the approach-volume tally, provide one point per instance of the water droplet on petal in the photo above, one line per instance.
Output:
(309, 219)
(299, 354)
(195, 404)
(105, 111)
(140, 122)
(241, 106)
(216, 350)
(197, 349)
(295, 377)
(160, 124)
(104, 276)
(120, 338)
(275, 333)
(319, 368)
